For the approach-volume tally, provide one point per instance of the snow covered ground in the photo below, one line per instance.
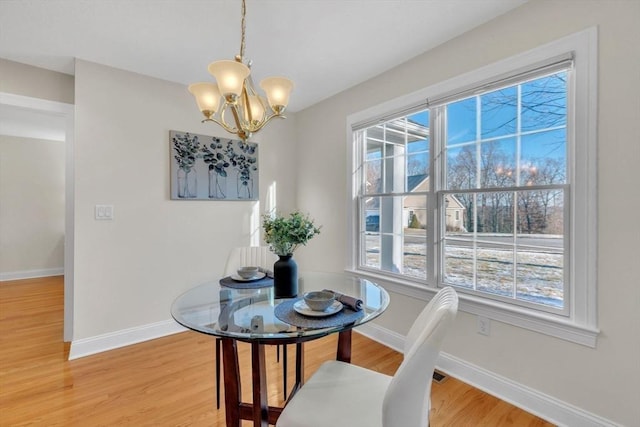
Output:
(538, 276)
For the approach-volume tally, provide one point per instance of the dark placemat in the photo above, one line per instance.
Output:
(285, 312)
(254, 284)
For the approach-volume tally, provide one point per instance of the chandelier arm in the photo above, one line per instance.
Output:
(224, 123)
(265, 121)
(245, 98)
(236, 117)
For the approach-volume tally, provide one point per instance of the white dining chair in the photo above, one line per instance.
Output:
(342, 394)
(254, 256)
(249, 256)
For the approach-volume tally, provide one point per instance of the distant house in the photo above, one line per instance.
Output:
(416, 206)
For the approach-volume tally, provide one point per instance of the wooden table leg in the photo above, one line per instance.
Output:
(299, 364)
(344, 346)
(299, 371)
(231, 382)
(258, 375)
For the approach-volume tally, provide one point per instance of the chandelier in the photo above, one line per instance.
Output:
(234, 87)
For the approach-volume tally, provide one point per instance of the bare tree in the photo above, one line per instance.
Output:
(542, 104)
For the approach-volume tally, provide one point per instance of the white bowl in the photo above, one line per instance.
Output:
(319, 300)
(247, 272)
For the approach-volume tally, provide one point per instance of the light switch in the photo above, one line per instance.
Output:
(104, 212)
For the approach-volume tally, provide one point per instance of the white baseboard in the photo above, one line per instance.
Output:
(31, 274)
(526, 398)
(88, 346)
(385, 336)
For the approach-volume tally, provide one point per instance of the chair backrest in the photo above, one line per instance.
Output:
(407, 400)
(255, 256)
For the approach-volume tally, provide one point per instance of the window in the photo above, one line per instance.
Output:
(482, 183)
(504, 156)
(393, 195)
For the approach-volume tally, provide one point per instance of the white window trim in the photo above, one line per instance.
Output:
(581, 324)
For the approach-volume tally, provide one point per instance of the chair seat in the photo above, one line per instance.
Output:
(338, 394)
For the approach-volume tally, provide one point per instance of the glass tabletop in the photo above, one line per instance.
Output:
(254, 315)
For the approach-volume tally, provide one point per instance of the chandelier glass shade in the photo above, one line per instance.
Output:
(234, 94)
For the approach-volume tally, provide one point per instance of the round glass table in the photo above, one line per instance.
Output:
(248, 312)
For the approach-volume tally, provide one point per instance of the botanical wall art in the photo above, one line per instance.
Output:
(212, 168)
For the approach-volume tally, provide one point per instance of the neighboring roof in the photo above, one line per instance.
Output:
(414, 180)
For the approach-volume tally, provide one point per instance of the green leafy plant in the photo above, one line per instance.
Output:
(285, 234)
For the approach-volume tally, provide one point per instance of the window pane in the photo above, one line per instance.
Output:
(461, 121)
(370, 237)
(421, 118)
(391, 150)
(394, 237)
(458, 263)
(543, 158)
(540, 256)
(494, 243)
(540, 273)
(498, 167)
(391, 210)
(417, 164)
(371, 211)
(375, 133)
(391, 239)
(459, 255)
(544, 102)
(495, 214)
(495, 266)
(373, 174)
(371, 246)
(541, 212)
(499, 112)
(394, 175)
(417, 146)
(459, 206)
(461, 167)
(415, 237)
(374, 149)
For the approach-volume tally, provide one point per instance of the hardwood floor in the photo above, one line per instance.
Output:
(167, 381)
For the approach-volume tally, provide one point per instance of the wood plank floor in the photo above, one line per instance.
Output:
(167, 381)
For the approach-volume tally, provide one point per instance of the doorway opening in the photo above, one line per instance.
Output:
(27, 112)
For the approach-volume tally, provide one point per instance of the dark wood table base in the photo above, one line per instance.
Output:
(259, 411)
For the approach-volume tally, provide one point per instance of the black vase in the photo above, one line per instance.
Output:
(285, 277)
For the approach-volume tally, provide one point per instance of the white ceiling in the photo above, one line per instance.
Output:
(324, 46)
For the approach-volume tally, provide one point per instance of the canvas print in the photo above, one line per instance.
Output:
(212, 168)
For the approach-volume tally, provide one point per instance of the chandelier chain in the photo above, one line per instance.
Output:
(242, 42)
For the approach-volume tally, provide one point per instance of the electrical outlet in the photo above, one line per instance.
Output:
(484, 326)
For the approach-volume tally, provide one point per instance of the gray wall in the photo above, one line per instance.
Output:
(25, 80)
(600, 380)
(31, 206)
(128, 271)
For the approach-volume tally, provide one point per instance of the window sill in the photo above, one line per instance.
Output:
(546, 324)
